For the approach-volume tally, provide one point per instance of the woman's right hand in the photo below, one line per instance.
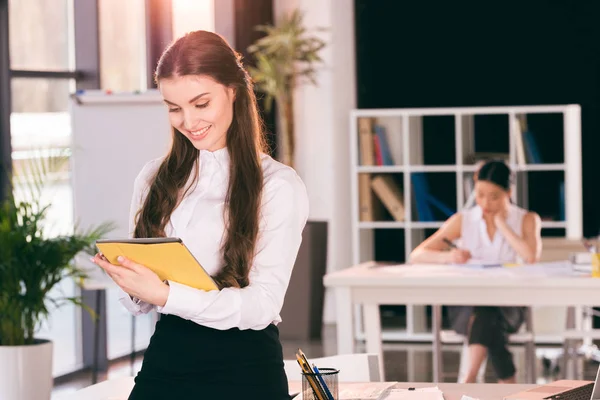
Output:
(459, 256)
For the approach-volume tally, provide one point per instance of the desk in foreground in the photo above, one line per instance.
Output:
(452, 391)
(371, 285)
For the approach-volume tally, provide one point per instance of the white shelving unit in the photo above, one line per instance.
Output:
(405, 135)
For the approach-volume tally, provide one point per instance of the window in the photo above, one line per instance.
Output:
(122, 45)
(40, 124)
(42, 54)
(191, 15)
(40, 34)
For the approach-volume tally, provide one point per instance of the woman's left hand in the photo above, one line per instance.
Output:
(500, 216)
(135, 279)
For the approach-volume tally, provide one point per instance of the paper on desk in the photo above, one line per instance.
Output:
(363, 391)
(424, 270)
(476, 263)
(546, 269)
(427, 393)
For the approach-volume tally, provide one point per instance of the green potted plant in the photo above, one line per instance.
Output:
(31, 265)
(286, 56)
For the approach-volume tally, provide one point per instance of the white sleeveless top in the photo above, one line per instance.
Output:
(474, 236)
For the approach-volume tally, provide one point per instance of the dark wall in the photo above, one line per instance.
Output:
(440, 53)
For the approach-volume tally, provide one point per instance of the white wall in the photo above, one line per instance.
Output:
(225, 20)
(322, 123)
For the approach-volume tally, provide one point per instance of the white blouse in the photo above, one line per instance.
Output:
(474, 236)
(199, 222)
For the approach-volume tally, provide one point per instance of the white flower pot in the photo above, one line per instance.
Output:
(26, 371)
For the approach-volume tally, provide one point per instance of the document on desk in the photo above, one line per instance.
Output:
(546, 269)
(474, 263)
(363, 391)
(428, 393)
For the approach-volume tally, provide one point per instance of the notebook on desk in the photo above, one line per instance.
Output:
(169, 258)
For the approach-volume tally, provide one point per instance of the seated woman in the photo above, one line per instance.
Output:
(494, 230)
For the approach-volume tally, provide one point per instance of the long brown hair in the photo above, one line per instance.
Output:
(206, 53)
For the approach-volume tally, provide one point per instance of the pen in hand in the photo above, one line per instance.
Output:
(457, 255)
(449, 243)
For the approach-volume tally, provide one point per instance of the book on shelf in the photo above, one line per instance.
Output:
(425, 202)
(518, 140)
(527, 149)
(374, 148)
(531, 148)
(365, 198)
(369, 207)
(383, 155)
(479, 156)
(366, 142)
(469, 191)
(390, 194)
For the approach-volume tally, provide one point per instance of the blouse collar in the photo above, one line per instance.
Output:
(220, 156)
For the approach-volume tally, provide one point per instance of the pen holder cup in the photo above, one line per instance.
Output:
(326, 381)
(596, 265)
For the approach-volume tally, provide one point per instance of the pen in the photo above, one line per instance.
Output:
(327, 392)
(449, 243)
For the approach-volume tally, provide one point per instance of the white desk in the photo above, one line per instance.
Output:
(372, 285)
(452, 391)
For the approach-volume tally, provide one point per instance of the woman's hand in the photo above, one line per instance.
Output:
(500, 216)
(458, 256)
(135, 279)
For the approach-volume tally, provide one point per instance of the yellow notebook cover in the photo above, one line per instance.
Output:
(169, 258)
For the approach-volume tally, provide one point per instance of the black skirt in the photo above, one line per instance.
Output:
(185, 360)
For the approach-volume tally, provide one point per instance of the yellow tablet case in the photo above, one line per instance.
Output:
(169, 258)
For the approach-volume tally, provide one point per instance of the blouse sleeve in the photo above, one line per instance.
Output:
(140, 187)
(284, 212)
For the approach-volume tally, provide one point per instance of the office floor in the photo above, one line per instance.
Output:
(403, 362)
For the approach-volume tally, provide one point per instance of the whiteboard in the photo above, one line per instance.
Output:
(113, 137)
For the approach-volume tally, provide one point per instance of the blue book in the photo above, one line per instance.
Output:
(531, 148)
(386, 155)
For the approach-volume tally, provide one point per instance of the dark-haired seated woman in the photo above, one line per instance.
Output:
(494, 230)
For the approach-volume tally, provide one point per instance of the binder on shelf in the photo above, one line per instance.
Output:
(366, 141)
(390, 195)
(365, 198)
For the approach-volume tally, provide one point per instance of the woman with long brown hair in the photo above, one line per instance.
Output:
(240, 213)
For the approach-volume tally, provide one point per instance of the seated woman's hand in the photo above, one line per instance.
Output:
(135, 279)
(458, 256)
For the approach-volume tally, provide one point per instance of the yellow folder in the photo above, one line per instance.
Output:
(169, 258)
